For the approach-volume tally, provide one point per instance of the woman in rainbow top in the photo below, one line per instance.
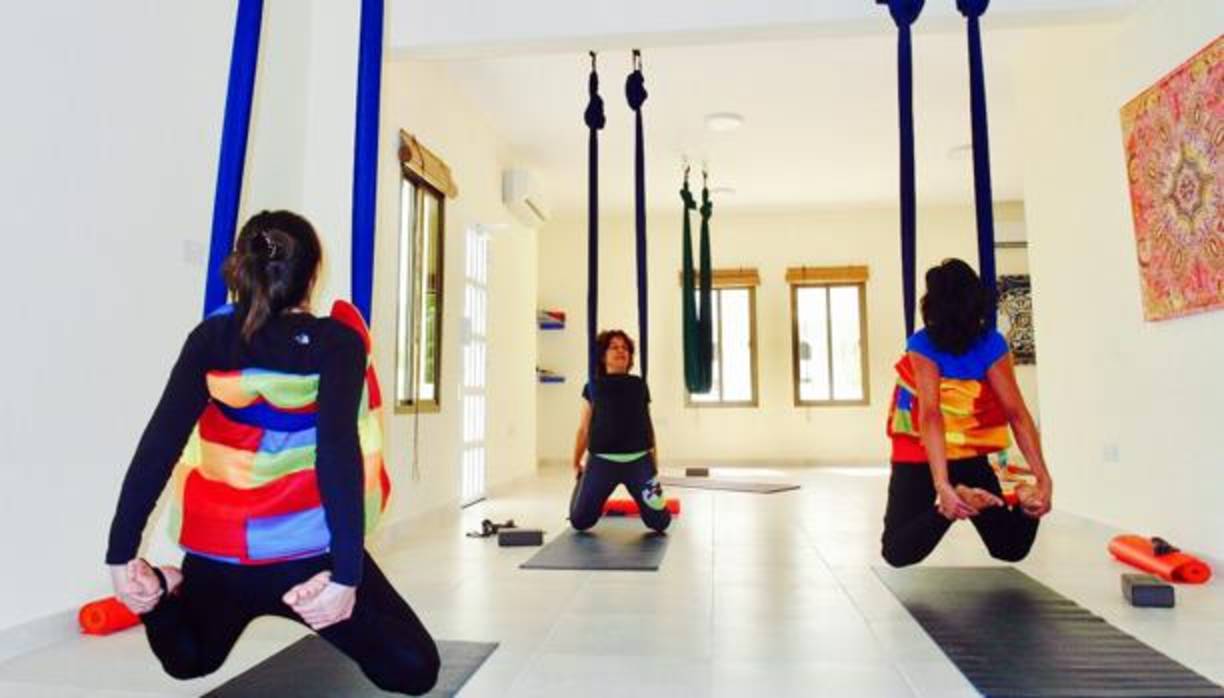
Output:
(268, 431)
(956, 395)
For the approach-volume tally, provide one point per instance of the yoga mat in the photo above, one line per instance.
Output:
(1013, 636)
(610, 545)
(311, 668)
(1137, 551)
(705, 483)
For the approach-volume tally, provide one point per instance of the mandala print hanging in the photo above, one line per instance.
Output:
(1174, 138)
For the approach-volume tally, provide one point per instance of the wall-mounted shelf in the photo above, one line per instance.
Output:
(550, 319)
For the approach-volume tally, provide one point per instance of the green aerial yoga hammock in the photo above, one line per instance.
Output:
(698, 326)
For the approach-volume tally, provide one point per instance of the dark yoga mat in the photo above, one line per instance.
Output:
(609, 545)
(705, 483)
(311, 668)
(1013, 636)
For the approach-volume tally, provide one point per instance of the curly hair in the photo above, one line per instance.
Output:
(955, 305)
(603, 341)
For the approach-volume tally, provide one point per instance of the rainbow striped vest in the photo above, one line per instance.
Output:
(245, 488)
(974, 421)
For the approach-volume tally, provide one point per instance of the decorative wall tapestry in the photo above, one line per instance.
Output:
(1016, 317)
(1173, 134)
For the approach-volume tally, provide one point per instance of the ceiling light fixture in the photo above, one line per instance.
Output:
(722, 122)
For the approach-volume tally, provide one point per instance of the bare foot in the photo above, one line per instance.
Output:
(1029, 498)
(978, 498)
(307, 590)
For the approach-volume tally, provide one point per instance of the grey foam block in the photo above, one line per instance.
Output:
(516, 537)
(1146, 591)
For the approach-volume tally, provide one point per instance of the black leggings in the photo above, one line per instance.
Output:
(193, 630)
(913, 525)
(601, 476)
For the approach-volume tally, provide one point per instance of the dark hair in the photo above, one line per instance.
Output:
(271, 267)
(955, 305)
(603, 341)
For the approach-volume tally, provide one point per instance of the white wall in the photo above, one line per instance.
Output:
(776, 430)
(419, 99)
(110, 141)
(1132, 408)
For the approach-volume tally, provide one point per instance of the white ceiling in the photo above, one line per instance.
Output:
(820, 110)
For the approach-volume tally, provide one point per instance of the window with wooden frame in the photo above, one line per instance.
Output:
(425, 184)
(829, 335)
(733, 316)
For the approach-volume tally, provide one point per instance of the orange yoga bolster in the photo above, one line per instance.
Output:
(628, 507)
(1171, 567)
(105, 616)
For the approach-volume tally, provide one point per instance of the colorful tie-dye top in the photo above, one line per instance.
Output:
(262, 456)
(974, 421)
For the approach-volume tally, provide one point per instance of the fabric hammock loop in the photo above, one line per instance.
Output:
(365, 155)
(904, 14)
(594, 115)
(635, 94)
(235, 128)
(595, 120)
(982, 192)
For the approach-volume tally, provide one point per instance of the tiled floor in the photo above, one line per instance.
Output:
(759, 595)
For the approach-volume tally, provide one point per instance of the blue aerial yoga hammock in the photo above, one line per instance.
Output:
(365, 155)
(234, 130)
(904, 14)
(595, 120)
(983, 197)
(234, 135)
(635, 93)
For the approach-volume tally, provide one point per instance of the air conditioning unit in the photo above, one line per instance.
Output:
(521, 194)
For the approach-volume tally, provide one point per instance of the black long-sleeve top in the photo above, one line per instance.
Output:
(292, 343)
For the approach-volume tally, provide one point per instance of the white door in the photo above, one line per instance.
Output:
(475, 343)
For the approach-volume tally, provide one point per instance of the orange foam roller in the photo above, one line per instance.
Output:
(105, 616)
(1171, 567)
(628, 507)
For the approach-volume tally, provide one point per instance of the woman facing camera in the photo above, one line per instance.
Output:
(616, 438)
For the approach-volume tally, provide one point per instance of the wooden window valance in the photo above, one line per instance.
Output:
(423, 163)
(827, 275)
(729, 278)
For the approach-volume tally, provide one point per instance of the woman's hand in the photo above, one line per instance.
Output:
(136, 586)
(321, 602)
(1037, 501)
(951, 505)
